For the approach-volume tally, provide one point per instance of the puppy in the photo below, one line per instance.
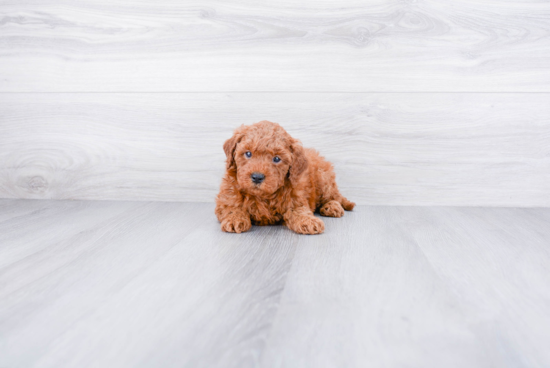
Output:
(270, 178)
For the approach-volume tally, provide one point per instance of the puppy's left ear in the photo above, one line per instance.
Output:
(229, 148)
(299, 162)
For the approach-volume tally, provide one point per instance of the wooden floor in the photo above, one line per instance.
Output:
(157, 284)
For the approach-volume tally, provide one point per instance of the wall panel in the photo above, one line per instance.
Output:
(306, 46)
(388, 148)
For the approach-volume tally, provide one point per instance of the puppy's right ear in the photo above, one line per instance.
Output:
(229, 148)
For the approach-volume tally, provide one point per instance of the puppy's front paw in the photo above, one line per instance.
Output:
(332, 209)
(236, 224)
(308, 225)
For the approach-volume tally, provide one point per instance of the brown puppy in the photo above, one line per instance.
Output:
(270, 178)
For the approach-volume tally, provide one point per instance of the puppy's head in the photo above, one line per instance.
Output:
(262, 156)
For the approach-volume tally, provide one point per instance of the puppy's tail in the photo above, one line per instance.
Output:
(348, 206)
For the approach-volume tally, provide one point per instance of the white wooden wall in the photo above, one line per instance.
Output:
(416, 102)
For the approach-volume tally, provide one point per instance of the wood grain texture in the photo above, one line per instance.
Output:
(366, 296)
(398, 149)
(141, 284)
(498, 259)
(245, 45)
(181, 292)
(418, 287)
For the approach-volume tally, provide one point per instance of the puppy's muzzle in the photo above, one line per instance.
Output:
(257, 177)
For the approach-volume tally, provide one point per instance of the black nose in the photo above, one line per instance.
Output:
(257, 177)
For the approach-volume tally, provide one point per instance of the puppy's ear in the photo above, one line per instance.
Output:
(299, 162)
(229, 148)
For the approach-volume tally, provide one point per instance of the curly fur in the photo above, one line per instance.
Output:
(293, 189)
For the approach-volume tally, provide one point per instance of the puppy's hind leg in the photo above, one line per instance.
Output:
(348, 206)
(332, 203)
(335, 205)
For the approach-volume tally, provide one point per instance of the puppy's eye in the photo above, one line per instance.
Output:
(276, 159)
(248, 154)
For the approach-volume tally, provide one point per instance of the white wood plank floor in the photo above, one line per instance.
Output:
(157, 284)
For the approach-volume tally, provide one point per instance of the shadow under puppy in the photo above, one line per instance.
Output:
(270, 178)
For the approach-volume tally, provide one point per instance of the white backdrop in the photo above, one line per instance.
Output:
(415, 102)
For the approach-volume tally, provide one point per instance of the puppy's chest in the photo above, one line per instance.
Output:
(265, 212)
